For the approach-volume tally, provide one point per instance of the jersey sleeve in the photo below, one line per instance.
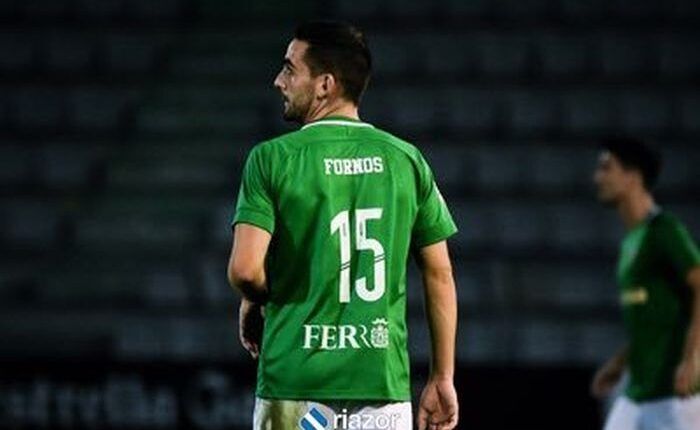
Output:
(677, 246)
(255, 203)
(433, 221)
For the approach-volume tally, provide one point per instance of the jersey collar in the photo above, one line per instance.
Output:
(337, 120)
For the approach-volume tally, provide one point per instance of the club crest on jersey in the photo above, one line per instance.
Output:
(380, 333)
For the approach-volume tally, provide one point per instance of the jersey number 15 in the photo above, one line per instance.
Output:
(341, 224)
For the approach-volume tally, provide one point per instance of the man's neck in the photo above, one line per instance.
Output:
(340, 108)
(636, 208)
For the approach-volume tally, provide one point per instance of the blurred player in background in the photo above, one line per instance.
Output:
(325, 221)
(658, 273)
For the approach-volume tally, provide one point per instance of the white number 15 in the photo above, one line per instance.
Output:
(341, 224)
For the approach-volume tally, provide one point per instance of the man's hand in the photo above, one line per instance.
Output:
(250, 327)
(687, 377)
(605, 379)
(439, 408)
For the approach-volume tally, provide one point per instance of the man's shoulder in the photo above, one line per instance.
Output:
(277, 143)
(297, 138)
(666, 223)
(397, 143)
(665, 219)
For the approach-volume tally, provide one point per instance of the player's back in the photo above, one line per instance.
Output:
(347, 203)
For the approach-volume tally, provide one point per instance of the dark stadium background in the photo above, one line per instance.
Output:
(124, 125)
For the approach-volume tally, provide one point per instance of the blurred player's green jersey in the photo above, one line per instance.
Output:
(345, 202)
(655, 259)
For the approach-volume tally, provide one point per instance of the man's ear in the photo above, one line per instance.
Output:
(327, 85)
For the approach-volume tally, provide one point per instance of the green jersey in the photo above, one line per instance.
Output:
(345, 202)
(655, 259)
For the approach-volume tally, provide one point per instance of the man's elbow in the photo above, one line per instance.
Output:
(247, 280)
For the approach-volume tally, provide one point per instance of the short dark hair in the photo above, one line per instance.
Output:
(340, 49)
(636, 154)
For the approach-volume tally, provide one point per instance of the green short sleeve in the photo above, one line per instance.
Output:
(255, 203)
(676, 245)
(433, 222)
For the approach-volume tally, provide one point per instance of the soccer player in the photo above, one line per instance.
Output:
(325, 221)
(658, 273)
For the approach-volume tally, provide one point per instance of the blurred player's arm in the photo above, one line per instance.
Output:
(246, 266)
(609, 373)
(439, 403)
(688, 371)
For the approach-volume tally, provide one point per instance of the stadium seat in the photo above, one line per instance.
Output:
(685, 10)
(472, 111)
(441, 57)
(359, 10)
(498, 168)
(541, 341)
(574, 227)
(15, 165)
(565, 286)
(486, 341)
(624, 56)
(168, 173)
(131, 53)
(679, 170)
(40, 108)
(556, 168)
(503, 56)
(690, 112)
(644, 114)
(391, 57)
(532, 11)
(583, 11)
(44, 9)
(101, 11)
(589, 112)
(161, 233)
(95, 109)
(533, 113)
(403, 102)
(461, 10)
(564, 56)
(598, 341)
(639, 11)
(70, 53)
(221, 216)
(18, 53)
(159, 11)
(163, 120)
(66, 166)
(677, 57)
(30, 223)
(213, 290)
(517, 226)
(180, 338)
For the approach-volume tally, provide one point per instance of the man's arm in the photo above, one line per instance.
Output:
(246, 266)
(688, 372)
(441, 306)
(609, 373)
(439, 403)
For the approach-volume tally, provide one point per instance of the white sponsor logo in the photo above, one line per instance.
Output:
(315, 419)
(353, 166)
(347, 336)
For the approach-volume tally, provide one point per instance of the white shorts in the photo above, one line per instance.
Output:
(666, 414)
(306, 415)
